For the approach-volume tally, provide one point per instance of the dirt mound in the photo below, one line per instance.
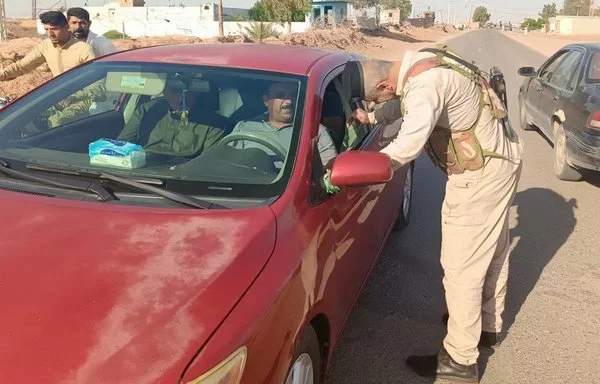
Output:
(149, 42)
(21, 28)
(336, 38)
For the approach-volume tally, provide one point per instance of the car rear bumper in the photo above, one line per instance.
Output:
(584, 151)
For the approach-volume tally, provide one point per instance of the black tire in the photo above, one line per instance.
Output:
(309, 345)
(523, 117)
(562, 169)
(405, 209)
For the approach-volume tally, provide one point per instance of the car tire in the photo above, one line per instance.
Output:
(523, 117)
(406, 208)
(306, 364)
(562, 169)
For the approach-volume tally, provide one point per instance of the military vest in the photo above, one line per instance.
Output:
(457, 151)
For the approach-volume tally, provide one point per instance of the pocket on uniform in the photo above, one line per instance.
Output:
(185, 143)
(460, 206)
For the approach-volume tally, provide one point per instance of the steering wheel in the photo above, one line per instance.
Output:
(280, 152)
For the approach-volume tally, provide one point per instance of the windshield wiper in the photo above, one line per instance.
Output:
(95, 188)
(173, 196)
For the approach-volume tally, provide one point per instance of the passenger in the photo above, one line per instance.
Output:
(176, 124)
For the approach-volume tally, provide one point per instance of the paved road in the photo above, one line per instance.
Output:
(553, 307)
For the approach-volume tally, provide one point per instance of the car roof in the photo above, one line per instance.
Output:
(592, 45)
(269, 57)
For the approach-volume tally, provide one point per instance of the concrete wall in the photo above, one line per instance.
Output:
(575, 25)
(163, 21)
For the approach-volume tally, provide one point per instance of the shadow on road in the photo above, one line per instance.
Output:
(545, 222)
(399, 312)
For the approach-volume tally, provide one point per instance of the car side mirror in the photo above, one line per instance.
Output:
(360, 168)
(527, 71)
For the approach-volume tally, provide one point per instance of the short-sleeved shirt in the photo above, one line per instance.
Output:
(168, 134)
(100, 44)
(282, 136)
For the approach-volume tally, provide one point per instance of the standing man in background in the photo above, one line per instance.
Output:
(61, 51)
(79, 24)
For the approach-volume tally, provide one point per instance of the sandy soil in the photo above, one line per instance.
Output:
(383, 43)
(547, 44)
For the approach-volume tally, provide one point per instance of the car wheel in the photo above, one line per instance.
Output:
(562, 169)
(306, 364)
(404, 217)
(523, 117)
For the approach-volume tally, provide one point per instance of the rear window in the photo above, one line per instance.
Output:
(594, 70)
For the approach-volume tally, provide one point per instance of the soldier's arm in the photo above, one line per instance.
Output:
(423, 103)
(28, 63)
(387, 113)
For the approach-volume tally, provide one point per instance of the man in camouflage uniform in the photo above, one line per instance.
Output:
(452, 114)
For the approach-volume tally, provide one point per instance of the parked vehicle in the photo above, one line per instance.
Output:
(562, 99)
(220, 268)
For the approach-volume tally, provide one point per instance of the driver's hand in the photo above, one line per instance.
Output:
(359, 115)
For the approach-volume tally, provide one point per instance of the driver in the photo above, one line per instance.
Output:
(276, 124)
(176, 124)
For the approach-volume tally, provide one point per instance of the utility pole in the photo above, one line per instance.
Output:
(221, 32)
(33, 9)
(2, 21)
(591, 7)
(448, 11)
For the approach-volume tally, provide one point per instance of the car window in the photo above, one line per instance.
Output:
(548, 70)
(593, 75)
(565, 71)
(219, 130)
(333, 116)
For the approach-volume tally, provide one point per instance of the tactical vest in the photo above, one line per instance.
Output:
(458, 151)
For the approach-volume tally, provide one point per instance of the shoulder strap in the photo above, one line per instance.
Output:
(422, 66)
(444, 51)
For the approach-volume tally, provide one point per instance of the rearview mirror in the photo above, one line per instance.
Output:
(359, 168)
(527, 71)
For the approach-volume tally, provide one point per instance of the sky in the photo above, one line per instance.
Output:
(505, 10)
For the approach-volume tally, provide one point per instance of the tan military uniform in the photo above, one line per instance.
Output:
(475, 211)
(59, 59)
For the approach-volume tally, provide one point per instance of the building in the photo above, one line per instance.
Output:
(332, 12)
(575, 25)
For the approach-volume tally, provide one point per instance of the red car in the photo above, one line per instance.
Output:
(155, 231)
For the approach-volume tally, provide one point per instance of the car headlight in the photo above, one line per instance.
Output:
(229, 371)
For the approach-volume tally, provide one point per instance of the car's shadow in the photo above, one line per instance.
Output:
(399, 312)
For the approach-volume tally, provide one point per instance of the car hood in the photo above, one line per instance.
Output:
(99, 293)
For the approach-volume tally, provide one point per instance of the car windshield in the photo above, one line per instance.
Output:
(198, 129)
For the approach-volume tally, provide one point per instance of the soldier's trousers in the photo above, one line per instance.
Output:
(475, 258)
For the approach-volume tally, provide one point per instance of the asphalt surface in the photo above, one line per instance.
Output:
(553, 304)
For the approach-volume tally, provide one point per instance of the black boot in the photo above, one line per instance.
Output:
(442, 366)
(487, 339)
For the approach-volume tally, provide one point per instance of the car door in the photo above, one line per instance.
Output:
(358, 219)
(534, 92)
(559, 89)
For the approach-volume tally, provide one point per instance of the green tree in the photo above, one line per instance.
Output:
(576, 7)
(532, 24)
(287, 10)
(258, 31)
(404, 6)
(549, 11)
(481, 16)
(258, 12)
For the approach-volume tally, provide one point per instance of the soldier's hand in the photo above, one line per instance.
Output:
(359, 115)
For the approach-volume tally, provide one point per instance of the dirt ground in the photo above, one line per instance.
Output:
(383, 43)
(549, 43)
